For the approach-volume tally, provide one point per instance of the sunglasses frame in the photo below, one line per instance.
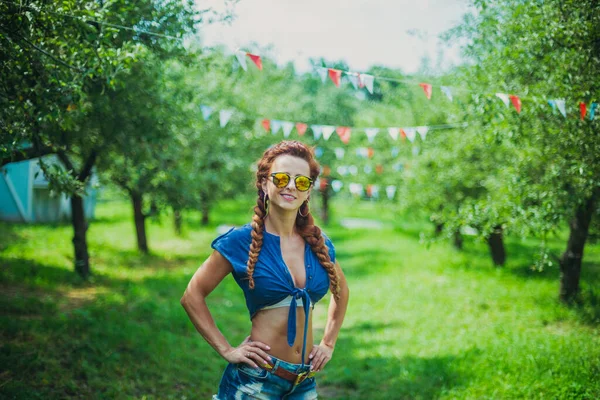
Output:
(290, 178)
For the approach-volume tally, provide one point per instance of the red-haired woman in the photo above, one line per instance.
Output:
(284, 264)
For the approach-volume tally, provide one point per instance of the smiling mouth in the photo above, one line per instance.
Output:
(288, 196)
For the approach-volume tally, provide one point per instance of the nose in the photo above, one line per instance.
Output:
(291, 184)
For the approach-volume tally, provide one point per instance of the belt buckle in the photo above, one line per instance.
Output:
(301, 377)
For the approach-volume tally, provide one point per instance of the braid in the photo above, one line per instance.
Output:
(312, 235)
(258, 226)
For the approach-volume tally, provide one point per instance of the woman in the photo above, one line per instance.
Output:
(284, 264)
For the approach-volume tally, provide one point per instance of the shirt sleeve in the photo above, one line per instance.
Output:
(234, 246)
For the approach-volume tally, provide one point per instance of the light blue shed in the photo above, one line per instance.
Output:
(27, 198)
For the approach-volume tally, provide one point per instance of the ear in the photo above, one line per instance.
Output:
(263, 185)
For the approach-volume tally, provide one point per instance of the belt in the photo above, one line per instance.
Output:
(287, 375)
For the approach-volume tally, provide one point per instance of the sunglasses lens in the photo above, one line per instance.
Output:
(281, 180)
(302, 183)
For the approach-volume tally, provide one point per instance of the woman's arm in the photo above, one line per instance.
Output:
(322, 353)
(204, 281)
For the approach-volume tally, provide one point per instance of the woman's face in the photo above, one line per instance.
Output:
(288, 197)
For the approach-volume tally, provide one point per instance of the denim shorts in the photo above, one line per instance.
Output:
(240, 382)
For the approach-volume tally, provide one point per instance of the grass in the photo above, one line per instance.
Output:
(422, 322)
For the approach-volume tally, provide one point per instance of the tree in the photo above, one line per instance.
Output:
(541, 51)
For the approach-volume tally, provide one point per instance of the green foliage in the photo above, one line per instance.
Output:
(421, 323)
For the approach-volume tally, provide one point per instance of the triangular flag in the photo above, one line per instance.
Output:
(206, 112)
(275, 126)
(256, 60)
(353, 169)
(593, 110)
(335, 75)
(375, 191)
(224, 116)
(423, 131)
(370, 152)
(361, 152)
(368, 169)
(339, 153)
(241, 57)
(356, 189)
(402, 134)
(447, 92)
(301, 128)
(516, 101)
(367, 81)
(342, 170)
(552, 104)
(371, 133)
(394, 133)
(266, 124)
(353, 78)
(379, 169)
(503, 97)
(344, 133)
(427, 88)
(287, 128)
(328, 131)
(410, 133)
(318, 152)
(396, 150)
(562, 107)
(337, 185)
(322, 73)
(317, 131)
(390, 191)
(582, 110)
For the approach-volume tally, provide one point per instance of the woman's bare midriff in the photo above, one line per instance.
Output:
(270, 327)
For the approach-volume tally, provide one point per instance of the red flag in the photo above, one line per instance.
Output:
(326, 170)
(256, 60)
(516, 101)
(427, 89)
(369, 190)
(582, 110)
(301, 128)
(335, 75)
(379, 169)
(266, 124)
(323, 184)
(344, 133)
(370, 152)
(402, 134)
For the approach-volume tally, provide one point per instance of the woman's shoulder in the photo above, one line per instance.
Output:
(235, 233)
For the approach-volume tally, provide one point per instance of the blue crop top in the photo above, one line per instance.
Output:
(272, 279)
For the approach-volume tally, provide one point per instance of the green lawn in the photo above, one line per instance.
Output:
(422, 323)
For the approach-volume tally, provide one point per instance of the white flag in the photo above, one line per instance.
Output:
(410, 133)
(375, 191)
(328, 131)
(368, 169)
(394, 132)
(241, 57)
(287, 128)
(275, 126)
(356, 189)
(423, 131)
(336, 185)
(342, 170)
(353, 169)
(339, 153)
(503, 97)
(206, 112)
(224, 116)
(447, 92)
(317, 131)
(322, 73)
(367, 80)
(371, 133)
(390, 191)
(395, 151)
(353, 78)
(560, 104)
(362, 152)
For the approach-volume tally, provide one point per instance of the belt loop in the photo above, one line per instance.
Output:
(275, 364)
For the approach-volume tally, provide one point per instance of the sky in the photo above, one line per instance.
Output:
(392, 33)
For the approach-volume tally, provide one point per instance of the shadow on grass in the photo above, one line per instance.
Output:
(389, 377)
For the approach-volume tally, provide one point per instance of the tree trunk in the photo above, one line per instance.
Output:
(496, 243)
(177, 222)
(82, 259)
(325, 206)
(570, 261)
(457, 240)
(140, 221)
(439, 228)
(205, 213)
